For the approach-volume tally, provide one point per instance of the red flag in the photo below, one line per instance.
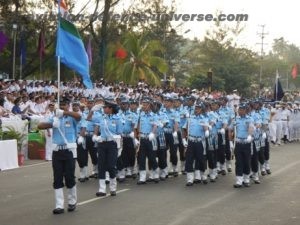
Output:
(41, 46)
(121, 53)
(295, 71)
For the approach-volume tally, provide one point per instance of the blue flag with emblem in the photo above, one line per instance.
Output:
(71, 50)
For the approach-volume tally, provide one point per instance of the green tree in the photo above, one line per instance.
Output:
(142, 61)
(232, 66)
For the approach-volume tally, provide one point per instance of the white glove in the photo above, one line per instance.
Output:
(184, 142)
(264, 135)
(136, 142)
(131, 134)
(80, 140)
(96, 138)
(96, 108)
(207, 133)
(231, 145)
(56, 123)
(222, 131)
(175, 135)
(249, 139)
(119, 152)
(59, 113)
(151, 136)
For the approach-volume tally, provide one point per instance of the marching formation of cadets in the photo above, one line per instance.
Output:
(151, 139)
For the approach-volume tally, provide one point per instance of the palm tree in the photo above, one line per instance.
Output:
(142, 60)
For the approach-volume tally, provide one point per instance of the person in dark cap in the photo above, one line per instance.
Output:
(64, 153)
(171, 133)
(107, 134)
(146, 130)
(242, 129)
(178, 107)
(90, 114)
(126, 161)
(195, 132)
(229, 114)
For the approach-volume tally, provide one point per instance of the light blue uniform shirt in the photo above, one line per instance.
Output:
(183, 114)
(129, 120)
(68, 127)
(195, 125)
(242, 126)
(109, 125)
(147, 121)
(173, 118)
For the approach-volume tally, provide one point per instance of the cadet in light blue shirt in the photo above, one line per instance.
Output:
(146, 128)
(171, 133)
(64, 126)
(107, 134)
(126, 161)
(243, 127)
(196, 130)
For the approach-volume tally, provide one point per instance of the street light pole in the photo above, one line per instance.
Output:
(15, 26)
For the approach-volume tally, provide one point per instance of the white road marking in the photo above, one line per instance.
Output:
(98, 198)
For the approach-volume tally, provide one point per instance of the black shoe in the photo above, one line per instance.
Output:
(229, 170)
(100, 194)
(268, 171)
(121, 180)
(156, 180)
(183, 172)
(212, 180)
(81, 180)
(162, 178)
(171, 173)
(273, 142)
(94, 175)
(237, 185)
(106, 181)
(175, 174)
(246, 184)
(204, 181)
(113, 193)
(263, 173)
(196, 181)
(133, 176)
(86, 178)
(223, 172)
(257, 181)
(58, 211)
(189, 184)
(150, 180)
(141, 182)
(128, 176)
(71, 208)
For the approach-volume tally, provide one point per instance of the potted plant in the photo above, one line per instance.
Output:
(10, 133)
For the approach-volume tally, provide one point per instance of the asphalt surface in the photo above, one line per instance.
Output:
(27, 197)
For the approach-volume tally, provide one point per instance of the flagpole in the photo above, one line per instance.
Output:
(41, 68)
(21, 67)
(58, 80)
(58, 57)
(276, 83)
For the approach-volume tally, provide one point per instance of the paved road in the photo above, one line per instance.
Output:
(27, 198)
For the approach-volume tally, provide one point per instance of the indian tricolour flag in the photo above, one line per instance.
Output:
(63, 8)
(71, 50)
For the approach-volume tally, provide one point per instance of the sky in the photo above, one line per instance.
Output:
(279, 17)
